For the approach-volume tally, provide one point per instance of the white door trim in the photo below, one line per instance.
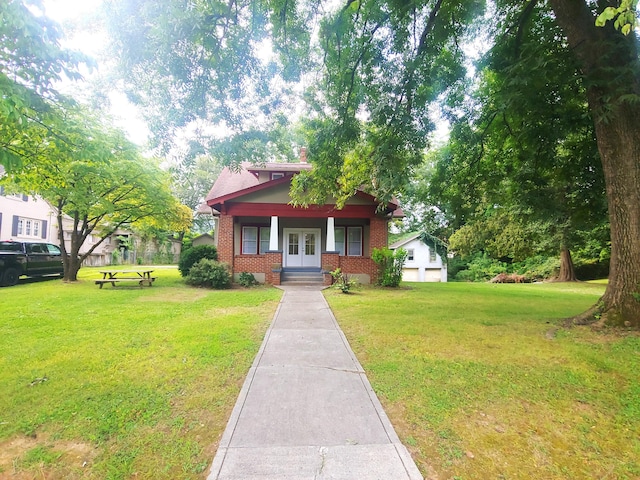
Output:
(301, 259)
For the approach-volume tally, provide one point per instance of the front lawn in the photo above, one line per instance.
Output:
(480, 382)
(122, 382)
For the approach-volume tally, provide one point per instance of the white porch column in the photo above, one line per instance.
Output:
(331, 235)
(273, 234)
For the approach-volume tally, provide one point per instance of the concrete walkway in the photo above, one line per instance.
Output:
(306, 410)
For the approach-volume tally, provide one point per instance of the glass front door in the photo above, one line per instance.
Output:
(302, 247)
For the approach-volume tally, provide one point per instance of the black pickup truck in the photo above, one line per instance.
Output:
(28, 258)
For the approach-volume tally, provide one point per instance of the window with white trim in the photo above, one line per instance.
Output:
(249, 240)
(265, 233)
(28, 227)
(354, 241)
(349, 241)
(432, 255)
(339, 234)
(410, 255)
(255, 239)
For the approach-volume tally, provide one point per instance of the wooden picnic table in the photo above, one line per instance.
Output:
(141, 276)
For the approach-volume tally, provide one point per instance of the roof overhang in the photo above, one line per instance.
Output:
(218, 203)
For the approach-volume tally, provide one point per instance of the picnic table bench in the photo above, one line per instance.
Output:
(140, 276)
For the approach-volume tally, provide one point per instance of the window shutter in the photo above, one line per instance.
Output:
(0, 224)
(14, 226)
(25, 198)
(1, 190)
(44, 229)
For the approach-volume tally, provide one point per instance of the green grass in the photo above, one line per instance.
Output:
(480, 381)
(120, 382)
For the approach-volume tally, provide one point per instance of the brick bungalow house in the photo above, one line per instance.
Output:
(260, 232)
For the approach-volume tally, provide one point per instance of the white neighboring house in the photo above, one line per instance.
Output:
(423, 263)
(25, 218)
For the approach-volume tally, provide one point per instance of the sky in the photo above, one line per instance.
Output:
(126, 116)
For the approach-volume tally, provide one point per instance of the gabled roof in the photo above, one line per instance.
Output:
(404, 241)
(232, 184)
(204, 235)
(229, 182)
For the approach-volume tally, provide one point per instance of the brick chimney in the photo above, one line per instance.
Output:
(303, 154)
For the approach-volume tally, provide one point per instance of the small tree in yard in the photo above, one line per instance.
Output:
(389, 265)
(94, 177)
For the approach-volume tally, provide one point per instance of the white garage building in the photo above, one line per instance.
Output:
(423, 263)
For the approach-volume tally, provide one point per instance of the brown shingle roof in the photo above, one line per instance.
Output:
(230, 182)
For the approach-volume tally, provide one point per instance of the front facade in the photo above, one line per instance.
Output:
(423, 263)
(260, 232)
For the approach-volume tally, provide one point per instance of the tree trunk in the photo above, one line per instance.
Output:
(607, 60)
(74, 264)
(71, 261)
(567, 272)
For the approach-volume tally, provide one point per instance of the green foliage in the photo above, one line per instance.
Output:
(480, 267)
(193, 255)
(521, 176)
(625, 15)
(31, 61)
(390, 265)
(342, 281)
(247, 279)
(209, 273)
(538, 267)
(205, 63)
(383, 58)
(94, 175)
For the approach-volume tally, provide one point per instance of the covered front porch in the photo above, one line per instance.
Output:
(269, 247)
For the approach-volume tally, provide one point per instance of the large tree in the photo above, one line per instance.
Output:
(376, 67)
(525, 144)
(608, 61)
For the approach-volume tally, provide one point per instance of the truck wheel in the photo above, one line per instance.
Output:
(10, 277)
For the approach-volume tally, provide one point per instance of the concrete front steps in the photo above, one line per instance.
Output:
(301, 276)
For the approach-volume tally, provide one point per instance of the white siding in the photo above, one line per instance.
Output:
(421, 268)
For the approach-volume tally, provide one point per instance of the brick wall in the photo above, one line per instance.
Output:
(251, 264)
(330, 261)
(273, 260)
(259, 264)
(378, 238)
(378, 232)
(225, 240)
(359, 265)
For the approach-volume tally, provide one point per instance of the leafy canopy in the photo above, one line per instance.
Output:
(31, 61)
